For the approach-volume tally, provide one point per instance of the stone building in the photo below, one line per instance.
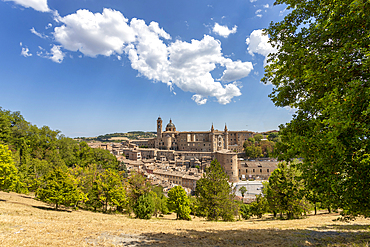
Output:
(198, 141)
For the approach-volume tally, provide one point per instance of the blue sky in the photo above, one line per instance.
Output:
(88, 67)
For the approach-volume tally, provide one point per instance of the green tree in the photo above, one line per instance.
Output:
(179, 202)
(245, 211)
(253, 151)
(285, 191)
(111, 189)
(215, 194)
(258, 137)
(8, 173)
(259, 206)
(144, 206)
(243, 190)
(322, 70)
(59, 188)
(138, 186)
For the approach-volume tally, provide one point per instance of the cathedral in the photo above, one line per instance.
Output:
(198, 141)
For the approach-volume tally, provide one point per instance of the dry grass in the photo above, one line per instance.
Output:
(27, 222)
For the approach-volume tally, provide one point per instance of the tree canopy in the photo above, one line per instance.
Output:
(8, 173)
(179, 202)
(215, 194)
(321, 69)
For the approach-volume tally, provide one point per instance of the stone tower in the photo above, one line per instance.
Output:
(226, 133)
(159, 128)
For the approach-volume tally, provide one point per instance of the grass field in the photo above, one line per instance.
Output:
(27, 222)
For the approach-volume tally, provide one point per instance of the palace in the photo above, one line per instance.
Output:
(198, 141)
(175, 150)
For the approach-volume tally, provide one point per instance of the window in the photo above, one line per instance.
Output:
(260, 170)
(253, 170)
(268, 170)
(246, 170)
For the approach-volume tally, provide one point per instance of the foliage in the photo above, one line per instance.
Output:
(59, 188)
(8, 173)
(258, 137)
(274, 137)
(179, 202)
(123, 169)
(262, 148)
(138, 185)
(245, 211)
(215, 194)
(322, 70)
(243, 190)
(259, 206)
(109, 189)
(144, 206)
(285, 191)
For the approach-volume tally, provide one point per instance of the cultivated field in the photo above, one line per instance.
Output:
(27, 222)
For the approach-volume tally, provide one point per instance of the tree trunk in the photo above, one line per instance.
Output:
(315, 209)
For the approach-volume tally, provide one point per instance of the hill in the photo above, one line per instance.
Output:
(27, 222)
(118, 137)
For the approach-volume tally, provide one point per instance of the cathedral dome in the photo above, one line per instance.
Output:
(170, 126)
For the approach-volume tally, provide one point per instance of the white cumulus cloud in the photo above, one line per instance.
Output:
(39, 5)
(56, 55)
(223, 31)
(94, 34)
(185, 65)
(258, 43)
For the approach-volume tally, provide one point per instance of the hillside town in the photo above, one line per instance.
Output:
(180, 158)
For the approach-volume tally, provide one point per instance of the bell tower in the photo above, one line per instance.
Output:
(159, 128)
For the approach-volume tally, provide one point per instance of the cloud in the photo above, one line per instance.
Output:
(94, 34)
(223, 31)
(55, 54)
(258, 11)
(185, 65)
(236, 70)
(43, 36)
(39, 5)
(25, 52)
(252, 1)
(266, 6)
(282, 12)
(258, 43)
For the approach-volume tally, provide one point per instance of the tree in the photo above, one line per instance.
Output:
(215, 194)
(8, 173)
(137, 187)
(274, 137)
(179, 202)
(144, 206)
(253, 151)
(258, 137)
(59, 188)
(259, 206)
(110, 189)
(245, 211)
(243, 190)
(285, 191)
(160, 201)
(322, 70)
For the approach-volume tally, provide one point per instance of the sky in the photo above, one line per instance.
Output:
(89, 67)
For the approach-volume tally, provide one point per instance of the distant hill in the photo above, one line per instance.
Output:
(118, 137)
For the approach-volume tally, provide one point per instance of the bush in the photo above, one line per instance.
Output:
(245, 211)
